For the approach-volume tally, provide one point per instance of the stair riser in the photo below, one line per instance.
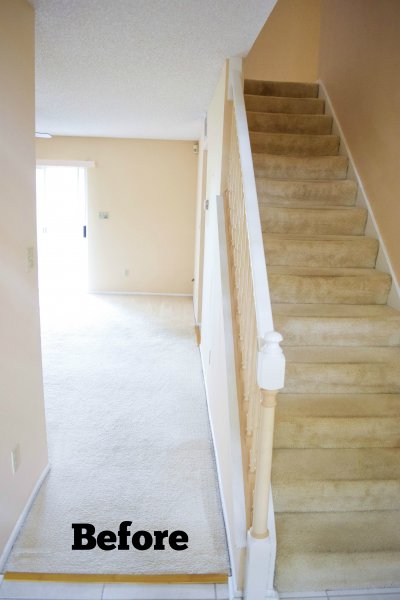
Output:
(272, 104)
(300, 331)
(336, 378)
(313, 221)
(321, 253)
(337, 433)
(307, 193)
(302, 572)
(355, 464)
(339, 405)
(327, 496)
(339, 532)
(330, 290)
(283, 89)
(286, 167)
(282, 123)
(294, 145)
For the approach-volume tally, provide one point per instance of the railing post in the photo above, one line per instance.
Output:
(261, 549)
(259, 528)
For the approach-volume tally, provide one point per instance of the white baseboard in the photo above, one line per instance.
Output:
(21, 519)
(383, 261)
(139, 294)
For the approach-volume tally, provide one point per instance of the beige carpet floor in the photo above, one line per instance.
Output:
(129, 438)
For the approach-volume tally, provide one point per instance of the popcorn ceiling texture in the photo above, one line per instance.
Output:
(129, 439)
(136, 68)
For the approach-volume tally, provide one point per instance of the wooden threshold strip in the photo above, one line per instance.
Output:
(114, 578)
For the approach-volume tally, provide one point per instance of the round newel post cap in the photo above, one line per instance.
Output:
(271, 362)
(272, 337)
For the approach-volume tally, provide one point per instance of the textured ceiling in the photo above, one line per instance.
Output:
(136, 68)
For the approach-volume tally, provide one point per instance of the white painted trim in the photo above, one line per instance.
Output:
(232, 579)
(383, 261)
(236, 530)
(43, 162)
(21, 519)
(140, 294)
(260, 569)
(239, 504)
(235, 64)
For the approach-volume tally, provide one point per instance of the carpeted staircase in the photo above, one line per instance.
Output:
(336, 466)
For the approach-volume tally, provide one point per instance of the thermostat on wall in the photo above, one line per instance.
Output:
(104, 215)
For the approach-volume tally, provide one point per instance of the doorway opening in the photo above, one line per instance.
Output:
(62, 225)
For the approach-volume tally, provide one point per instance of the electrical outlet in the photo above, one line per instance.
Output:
(15, 458)
(126, 272)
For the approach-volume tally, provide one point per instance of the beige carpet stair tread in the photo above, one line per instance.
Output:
(305, 480)
(339, 355)
(313, 221)
(338, 464)
(302, 194)
(279, 104)
(299, 167)
(372, 531)
(336, 496)
(292, 123)
(337, 324)
(333, 310)
(337, 432)
(338, 405)
(337, 369)
(331, 286)
(294, 144)
(328, 570)
(320, 250)
(281, 88)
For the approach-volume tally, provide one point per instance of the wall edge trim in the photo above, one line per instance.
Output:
(383, 255)
(21, 519)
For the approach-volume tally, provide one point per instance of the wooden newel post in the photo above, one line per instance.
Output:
(262, 485)
(261, 549)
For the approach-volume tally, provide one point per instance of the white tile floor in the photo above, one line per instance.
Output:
(26, 590)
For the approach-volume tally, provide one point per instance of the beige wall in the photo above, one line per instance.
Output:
(287, 47)
(21, 396)
(149, 189)
(360, 67)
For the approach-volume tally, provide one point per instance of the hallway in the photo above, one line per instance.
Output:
(129, 439)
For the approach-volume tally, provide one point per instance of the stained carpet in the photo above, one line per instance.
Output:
(129, 438)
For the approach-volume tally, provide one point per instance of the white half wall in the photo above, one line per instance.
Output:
(217, 351)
